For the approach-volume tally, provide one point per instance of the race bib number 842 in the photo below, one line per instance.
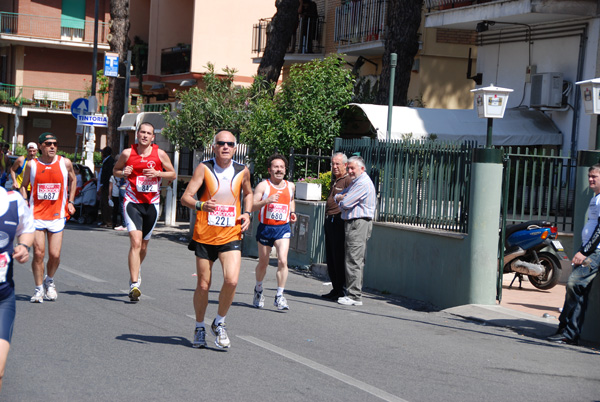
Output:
(145, 184)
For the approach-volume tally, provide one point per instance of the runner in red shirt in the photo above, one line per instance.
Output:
(144, 166)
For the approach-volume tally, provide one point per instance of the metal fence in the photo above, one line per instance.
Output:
(539, 185)
(360, 21)
(307, 38)
(421, 183)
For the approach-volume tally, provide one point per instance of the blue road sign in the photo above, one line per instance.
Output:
(111, 64)
(79, 107)
(96, 121)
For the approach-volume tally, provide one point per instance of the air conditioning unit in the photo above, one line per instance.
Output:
(546, 90)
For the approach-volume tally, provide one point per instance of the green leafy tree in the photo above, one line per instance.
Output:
(305, 113)
(203, 112)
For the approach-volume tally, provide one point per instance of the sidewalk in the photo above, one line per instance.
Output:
(528, 311)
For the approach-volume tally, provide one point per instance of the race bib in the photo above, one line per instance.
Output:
(223, 215)
(4, 261)
(277, 212)
(48, 191)
(145, 184)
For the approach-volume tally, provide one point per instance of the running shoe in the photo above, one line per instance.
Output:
(38, 296)
(50, 289)
(259, 299)
(199, 338)
(281, 303)
(134, 294)
(347, 301)
(220, 332)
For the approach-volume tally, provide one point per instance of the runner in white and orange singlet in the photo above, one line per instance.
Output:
(52, 193)
(144, 166)
(219, 184)
(275, 199)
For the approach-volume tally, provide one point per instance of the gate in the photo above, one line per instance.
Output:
(537, 185)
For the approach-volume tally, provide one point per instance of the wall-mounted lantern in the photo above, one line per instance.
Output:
(590, 94)
(490, 103)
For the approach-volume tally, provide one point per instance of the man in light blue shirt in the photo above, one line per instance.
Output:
(357, 203)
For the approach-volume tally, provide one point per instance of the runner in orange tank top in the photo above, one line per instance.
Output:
(219, 185)
(53, 189)
(275, 199)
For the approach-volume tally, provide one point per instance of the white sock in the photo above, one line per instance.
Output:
(279, 291)
(40, 288)
(258, 286)
(199, 324)
(134, 284)
(48, 279)
(219, 320)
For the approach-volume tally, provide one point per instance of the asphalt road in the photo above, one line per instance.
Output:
(92, 344)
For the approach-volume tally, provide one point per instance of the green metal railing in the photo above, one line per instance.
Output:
(39, 26)
(421, 183)
(540, 185)
(40, 97)
(158, 107)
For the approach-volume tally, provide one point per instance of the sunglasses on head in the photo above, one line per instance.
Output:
(230, 144)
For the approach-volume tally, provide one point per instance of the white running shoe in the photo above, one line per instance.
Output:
(346, 301)
(281, 303)
(220, 332)
(259, 299)
(38, 296)
(134, 294)
(50, 289)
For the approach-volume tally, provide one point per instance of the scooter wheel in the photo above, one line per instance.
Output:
(551, 274)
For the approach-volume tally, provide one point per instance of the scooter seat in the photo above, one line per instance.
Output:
(523, 226)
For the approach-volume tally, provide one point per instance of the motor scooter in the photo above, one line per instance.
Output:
(531, 248)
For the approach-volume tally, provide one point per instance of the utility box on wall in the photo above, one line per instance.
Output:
(546, 90)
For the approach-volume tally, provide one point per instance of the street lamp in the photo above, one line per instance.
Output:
(490, 103)
(590, 94)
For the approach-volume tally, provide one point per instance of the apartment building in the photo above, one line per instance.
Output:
(539, 49)
(357, 28)
(46, 50)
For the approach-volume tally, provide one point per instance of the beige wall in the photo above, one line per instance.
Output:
(170, 23)
(139, 19)
(223, 34)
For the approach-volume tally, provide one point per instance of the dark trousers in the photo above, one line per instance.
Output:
(116, 212)
(576, 298)
(335, 246)
(104, 207)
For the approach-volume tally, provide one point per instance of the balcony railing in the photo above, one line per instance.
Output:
(360, 21)
(54, 99)
(37, 26)
(448, 4)
(308, 37)
(176, 60)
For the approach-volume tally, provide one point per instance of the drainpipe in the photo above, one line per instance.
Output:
(576, 105)
(393, 63)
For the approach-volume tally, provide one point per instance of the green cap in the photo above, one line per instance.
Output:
(45, 137)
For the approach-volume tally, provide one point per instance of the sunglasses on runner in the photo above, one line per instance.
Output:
(231, 144)
(51, 144)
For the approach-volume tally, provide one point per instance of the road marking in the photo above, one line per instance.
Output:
(324, 369)
(85, 276)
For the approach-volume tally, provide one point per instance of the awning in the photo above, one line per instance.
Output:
(131, 121)
(518, 127)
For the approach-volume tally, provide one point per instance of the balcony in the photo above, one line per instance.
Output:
(36, 28)
(463, 14)
(308, 38)
(176, 60)
(360, 26)
(54, 100)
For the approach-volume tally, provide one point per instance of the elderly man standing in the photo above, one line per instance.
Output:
(357, 203)
(335, 238)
